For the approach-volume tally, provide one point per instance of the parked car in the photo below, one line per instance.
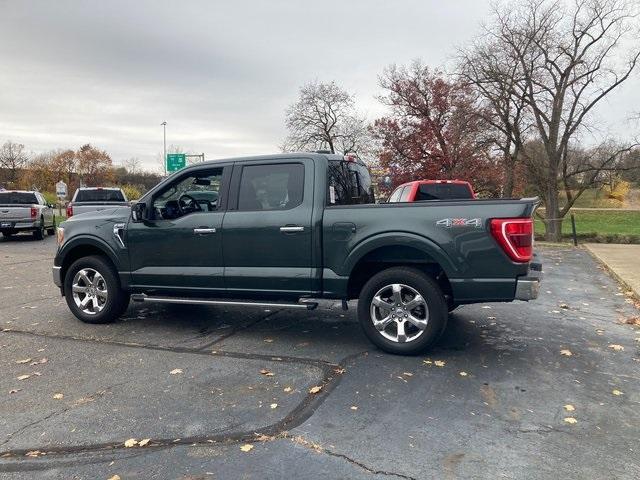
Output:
(289, 228)
(433, 190)
(92, 199)
(26, 211)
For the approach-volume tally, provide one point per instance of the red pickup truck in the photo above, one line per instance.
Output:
(432, 190)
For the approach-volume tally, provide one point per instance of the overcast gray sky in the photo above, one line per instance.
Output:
(220, 73)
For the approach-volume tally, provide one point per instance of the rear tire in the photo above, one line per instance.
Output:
(93, 292)
(402, 310)
(39, 233)
(52, 230)
(7, 235)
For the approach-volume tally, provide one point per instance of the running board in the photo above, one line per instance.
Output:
(141, 297)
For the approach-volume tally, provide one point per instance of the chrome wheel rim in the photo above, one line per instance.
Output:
(399, 313)
(89, 291)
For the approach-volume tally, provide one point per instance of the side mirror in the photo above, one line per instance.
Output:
(137, 212)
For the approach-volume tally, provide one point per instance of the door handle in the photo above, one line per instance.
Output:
(204, 231)
(291, 229)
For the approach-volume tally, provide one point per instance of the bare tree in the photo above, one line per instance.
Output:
(324, 117)
(13, 158)
(132, 165)
(568, 61)
(501, 104)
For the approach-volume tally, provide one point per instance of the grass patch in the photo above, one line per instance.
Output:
(600, 226)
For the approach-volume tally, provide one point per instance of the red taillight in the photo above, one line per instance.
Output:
(34, 212)
(69, 210)
(515, 236)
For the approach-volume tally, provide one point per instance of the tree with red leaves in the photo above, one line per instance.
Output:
(434, 130)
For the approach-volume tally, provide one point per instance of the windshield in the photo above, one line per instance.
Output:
(17, 198)
(100, 195)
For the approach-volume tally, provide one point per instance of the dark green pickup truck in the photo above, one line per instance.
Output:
(282, 230)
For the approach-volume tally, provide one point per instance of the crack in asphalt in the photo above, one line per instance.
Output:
(332, 374)
(92, 397)
(300, 440)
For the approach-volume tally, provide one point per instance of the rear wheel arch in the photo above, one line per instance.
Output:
(405, 254)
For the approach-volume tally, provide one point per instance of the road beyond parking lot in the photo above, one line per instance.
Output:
(546, 389)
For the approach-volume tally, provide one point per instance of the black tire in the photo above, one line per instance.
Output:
(117, 299)
(39, 233)
(7, 235)
(52, 229)
(433, 298)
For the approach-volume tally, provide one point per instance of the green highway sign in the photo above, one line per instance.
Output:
(176, 161)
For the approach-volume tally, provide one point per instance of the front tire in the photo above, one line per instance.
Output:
(402, 310)
(92, 290)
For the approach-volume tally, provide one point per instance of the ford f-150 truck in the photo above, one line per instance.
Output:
(25, 211)
(91, 199)
(282, 230)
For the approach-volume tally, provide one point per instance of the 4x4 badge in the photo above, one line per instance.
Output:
(459, 222)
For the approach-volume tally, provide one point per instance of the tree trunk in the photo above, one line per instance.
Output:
(553, 222)
(509, 176)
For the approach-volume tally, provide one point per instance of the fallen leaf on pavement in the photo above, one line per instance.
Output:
(353, 407)
(23, 377)
(566, 353)
(617, 392)
(427, 362)
(247, 447)
(439, 363)
(463, 374)
(287, 389)
(616, 347)
(115, 477)
(339, 370)
(33, 453)
(266, 372)
(407, 374)
(564, 305)
(315, 389)
(58, 396)
(273, 405)
(176, 371)
(142, 443)
(569, 408)
(570, 420)
(132, 442)
(39, 362)
(26, 360)
(268, 340)
(15, 390)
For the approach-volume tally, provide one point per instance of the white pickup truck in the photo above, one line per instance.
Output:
(22, 210)
(93, 199)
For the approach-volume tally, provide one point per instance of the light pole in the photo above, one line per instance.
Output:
(164, 143)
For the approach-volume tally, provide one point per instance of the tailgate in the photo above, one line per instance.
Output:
(14, 213)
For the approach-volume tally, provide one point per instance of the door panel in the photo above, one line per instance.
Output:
(268, 245)
(178, 251)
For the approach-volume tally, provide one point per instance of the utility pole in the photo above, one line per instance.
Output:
(164, 143)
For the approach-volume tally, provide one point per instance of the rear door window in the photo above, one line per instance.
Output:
(271, 187)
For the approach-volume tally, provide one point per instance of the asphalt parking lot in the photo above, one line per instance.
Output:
(225, 392)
